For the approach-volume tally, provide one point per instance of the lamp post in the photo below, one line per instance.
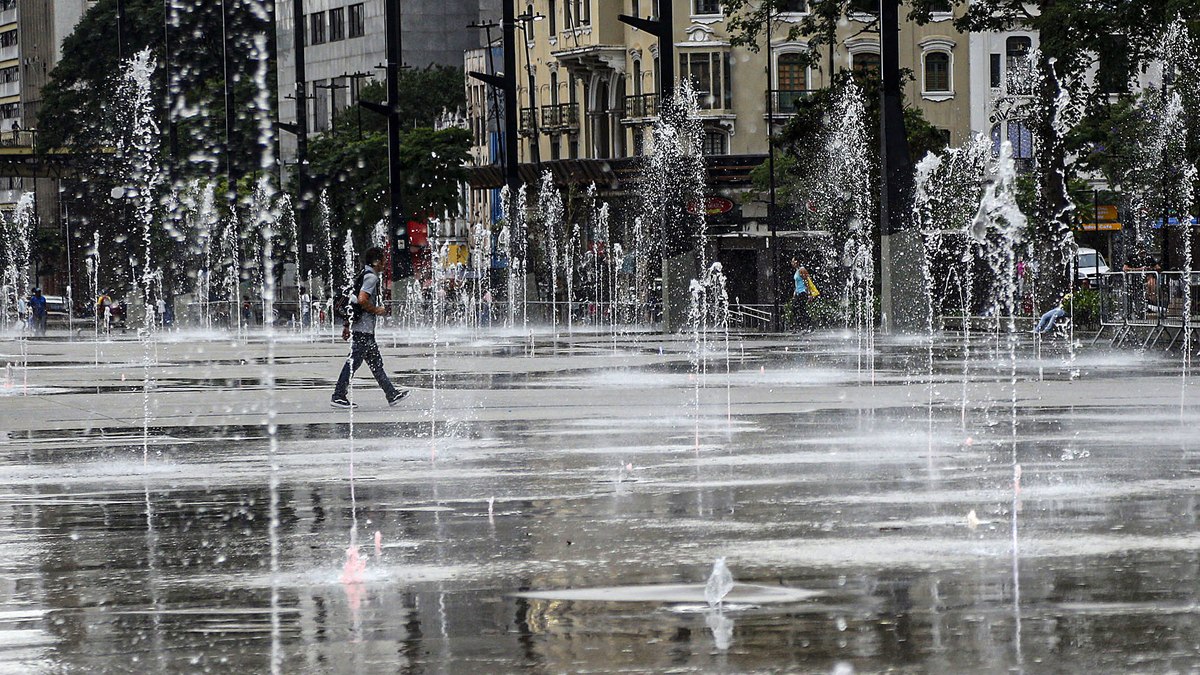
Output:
(772, 211)
(526, 25)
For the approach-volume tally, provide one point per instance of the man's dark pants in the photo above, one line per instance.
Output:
(364, 348)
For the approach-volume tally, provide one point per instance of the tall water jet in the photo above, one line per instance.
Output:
(948, 186)
(671, 191)
(550, 211)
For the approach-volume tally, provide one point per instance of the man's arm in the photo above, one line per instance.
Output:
(364, 301)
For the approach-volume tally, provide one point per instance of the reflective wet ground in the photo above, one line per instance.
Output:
(556, 506)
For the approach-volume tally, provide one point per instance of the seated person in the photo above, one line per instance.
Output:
(1046, 323)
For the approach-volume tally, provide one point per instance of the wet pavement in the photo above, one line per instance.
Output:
(556, 506)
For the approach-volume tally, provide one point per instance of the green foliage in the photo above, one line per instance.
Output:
(352, 162)
(1084, 307)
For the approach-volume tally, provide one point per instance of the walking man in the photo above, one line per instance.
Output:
(362, 332)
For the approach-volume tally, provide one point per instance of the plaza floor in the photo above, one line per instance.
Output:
(542, 504)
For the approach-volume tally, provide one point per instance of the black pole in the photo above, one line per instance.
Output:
(120, 31)
(397, 222)
(897, 166)
(535, 150)
(230, 113)
(508, 26)
(303, 196)
(172, 126)
(772, 210)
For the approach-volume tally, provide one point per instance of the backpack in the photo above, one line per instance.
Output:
(345, 304)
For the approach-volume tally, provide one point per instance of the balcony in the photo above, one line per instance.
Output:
(784, 101)
(641, 106)
(560, 117)
(527, 122)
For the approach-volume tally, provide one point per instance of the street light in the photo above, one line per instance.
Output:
(525, 23)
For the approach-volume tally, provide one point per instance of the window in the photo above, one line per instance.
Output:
(8, 39)
(940, 7)
(555, 147)
(715, 142)
(706, 6)
(320, 105)
(937, 72)
(358, 24)
(866, 62)
(634, 10)
(316, 24)
(1022, 140)
(1020, 80)
(792, 73)
(552, 17)
(340, 90)
(862, 7)
(10, 74)
(995, 78)
(1113, 69)
(10, 111)
(337, 24)
(792, 6)
(709, 72)
(639, 141)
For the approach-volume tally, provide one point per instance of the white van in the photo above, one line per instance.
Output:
(1089, 264)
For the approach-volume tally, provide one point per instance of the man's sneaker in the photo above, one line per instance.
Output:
(397, 397)
(342, 403)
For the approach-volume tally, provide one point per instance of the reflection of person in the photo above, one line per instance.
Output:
(37, 308)
(1046, 323)
(362, 329)
(247, 312)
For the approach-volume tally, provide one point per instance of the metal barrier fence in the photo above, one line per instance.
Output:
(1148, 306)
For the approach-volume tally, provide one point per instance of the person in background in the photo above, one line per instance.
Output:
(37, 311)
(305, 309)
(803, 292)
(1046, 323)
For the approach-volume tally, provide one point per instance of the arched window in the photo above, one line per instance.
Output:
(553, 88)
(995, 140)
(1022, 140)
(937, 72)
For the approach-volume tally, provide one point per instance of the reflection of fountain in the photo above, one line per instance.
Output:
(709, 310)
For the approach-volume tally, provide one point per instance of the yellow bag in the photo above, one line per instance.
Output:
(813, 293)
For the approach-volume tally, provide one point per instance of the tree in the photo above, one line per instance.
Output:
(353, 166)
(78, 103)
(1075, 36)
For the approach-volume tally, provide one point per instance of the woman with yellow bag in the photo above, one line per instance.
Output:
(805, 291)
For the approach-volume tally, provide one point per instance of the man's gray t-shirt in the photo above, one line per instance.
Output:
(370, 285)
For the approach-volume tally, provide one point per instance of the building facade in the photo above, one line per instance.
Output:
(346, 45)
(587, 95)
(31, 37)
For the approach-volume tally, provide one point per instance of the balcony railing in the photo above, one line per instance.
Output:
(560, 117)
(784, 100)
(528, 121)
(641, 105)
